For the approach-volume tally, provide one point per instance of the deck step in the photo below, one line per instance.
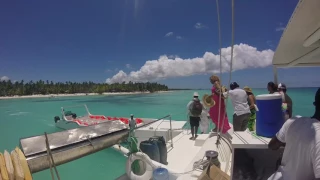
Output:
(201, 139)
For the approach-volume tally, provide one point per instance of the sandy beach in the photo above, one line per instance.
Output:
(78, 94)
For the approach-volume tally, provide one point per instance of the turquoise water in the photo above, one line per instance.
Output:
(27, 117)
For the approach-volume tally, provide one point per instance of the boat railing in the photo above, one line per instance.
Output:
(162, 120)
(79, 105)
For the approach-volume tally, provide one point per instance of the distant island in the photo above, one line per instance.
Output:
(180, 89)
(8, 88)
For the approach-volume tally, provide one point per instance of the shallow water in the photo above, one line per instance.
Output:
(28, 117)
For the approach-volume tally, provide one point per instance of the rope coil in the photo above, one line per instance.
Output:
(14, 166)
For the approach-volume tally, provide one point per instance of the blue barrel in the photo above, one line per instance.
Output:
(160, 174)
(151, 149)
(269, 117)
(159, 140)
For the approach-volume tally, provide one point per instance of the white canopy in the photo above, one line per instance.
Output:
(300, 42)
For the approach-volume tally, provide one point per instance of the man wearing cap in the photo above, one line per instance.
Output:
(301, 138)
(194, 108)
(239, 99)
(132, 124)
(282, 88)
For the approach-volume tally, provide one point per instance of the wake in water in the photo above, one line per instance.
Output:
(18, 113)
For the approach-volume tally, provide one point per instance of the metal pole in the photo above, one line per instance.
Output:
(171, 133)
(152, 122)
(87, 109)
(275, 75)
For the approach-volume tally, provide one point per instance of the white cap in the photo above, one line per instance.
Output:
(131, 114)
(196, 94)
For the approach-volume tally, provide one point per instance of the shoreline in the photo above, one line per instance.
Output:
(78, 94)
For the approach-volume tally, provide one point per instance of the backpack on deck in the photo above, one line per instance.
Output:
(196, 109)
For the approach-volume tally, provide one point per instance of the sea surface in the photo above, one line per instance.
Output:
(21, 118)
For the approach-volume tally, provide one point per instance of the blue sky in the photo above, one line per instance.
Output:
(80, 40)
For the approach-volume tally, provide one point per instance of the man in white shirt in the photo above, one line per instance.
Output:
(132, 124)
(239, 99)
(301, 138)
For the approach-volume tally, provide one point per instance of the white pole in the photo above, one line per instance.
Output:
(275, 74)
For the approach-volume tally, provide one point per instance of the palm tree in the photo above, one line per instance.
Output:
(7, 88)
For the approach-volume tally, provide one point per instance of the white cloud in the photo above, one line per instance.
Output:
(199, 26)
(4, 78)
(119, 77)
(173, 56)
(270, 43)
(281, 27)
(111, 70)
(245, 56)
(168, 34)
(128, 66)
(179, 37)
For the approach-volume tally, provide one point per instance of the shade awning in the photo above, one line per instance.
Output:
(299, 45)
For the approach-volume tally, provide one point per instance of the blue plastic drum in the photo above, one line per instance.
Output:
(160, 174)
(270, 116)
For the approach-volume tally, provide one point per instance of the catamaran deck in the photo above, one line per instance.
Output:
(186, 152)
(159, 128)
(256, 147)
(192, 151)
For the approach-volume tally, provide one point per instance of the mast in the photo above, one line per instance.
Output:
(275, 75)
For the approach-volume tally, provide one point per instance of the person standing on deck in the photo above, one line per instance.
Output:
(132, 124)
(194, 108)
(204, 123)
(239, 99)
(272, 88)
(217, 96)
(251, 103)
(286, 100)
(301, 138)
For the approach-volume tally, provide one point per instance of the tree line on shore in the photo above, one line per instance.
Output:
(9, 88)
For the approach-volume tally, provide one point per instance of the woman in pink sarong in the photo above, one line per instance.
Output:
(214, 110)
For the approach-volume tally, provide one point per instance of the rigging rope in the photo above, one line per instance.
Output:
(232, 46)
(50, 159)
(219, 130)
(220, 44)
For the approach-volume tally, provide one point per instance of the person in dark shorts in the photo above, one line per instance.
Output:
(194, 108)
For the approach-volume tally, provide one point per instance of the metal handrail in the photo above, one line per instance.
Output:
(163, 118)
(79, 105)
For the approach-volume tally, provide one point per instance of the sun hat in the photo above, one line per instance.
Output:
(208, 101)
(247, 89)
(196, 94)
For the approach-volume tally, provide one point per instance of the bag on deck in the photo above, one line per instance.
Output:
(196, 109)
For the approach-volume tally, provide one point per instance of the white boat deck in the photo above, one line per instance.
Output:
(256, 148)
(183, 152)
(160, 128)
(165, 125)
(248, 140)
(196, 152)
(186, 152)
